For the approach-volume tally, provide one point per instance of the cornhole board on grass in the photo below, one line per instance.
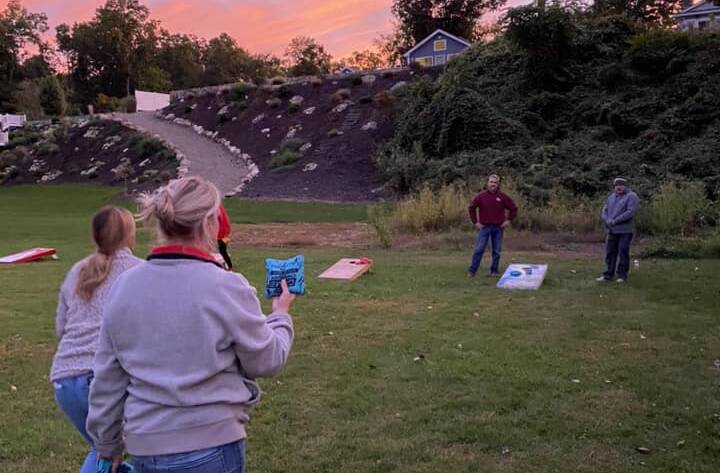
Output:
(28, 256)
(523, 277)
(347, 269)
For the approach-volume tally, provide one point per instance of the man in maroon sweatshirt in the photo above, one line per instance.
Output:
(496, 210)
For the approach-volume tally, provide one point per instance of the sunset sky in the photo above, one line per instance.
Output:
(261, 26)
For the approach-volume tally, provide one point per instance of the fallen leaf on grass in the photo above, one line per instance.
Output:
(643, 450)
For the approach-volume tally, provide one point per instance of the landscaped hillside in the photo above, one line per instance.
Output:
(568, 101)
(101, 151)
(312, 139)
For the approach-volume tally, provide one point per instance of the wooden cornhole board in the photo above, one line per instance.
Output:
(28, 256)
(347, 269)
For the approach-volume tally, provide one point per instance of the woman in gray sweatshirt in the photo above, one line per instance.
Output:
(79, 312)
(181, 345)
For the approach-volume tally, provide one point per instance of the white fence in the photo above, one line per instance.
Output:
(11, 121)
(7, 122)
(151, 101)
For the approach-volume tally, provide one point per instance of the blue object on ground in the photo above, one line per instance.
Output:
(515, 273)
(291, 270)
(104, 466)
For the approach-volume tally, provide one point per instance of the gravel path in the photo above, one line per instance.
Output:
(207, 158)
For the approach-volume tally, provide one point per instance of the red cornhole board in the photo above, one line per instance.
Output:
(347, 269)
(28, 256)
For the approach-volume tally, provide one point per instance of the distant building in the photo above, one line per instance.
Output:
(346, 70)
(700, 16)
(436, 50)
(7, 123)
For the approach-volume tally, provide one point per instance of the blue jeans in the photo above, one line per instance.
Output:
(228, 458)
(617, 245)
(71, 394)
(494, 234)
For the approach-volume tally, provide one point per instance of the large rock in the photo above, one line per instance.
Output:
(297, 100)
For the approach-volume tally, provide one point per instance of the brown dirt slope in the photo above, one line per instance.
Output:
(338, 167)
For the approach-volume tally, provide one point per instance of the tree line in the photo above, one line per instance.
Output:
(122, 49)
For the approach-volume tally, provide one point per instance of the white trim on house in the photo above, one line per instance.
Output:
(430, 37)
(442, 61)
(691, 11)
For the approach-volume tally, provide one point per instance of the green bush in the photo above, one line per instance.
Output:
(705, 246)
(127, 105)
(286, 157)
(52, 96)
(675, 209)
(651, 53)
(105, 103)
(239, 92)
(145, 146)
(340, 95)
(283, 92)
(432, 211)
(379, 220)
(293, 144)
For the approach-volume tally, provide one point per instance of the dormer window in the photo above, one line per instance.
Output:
(440, 45)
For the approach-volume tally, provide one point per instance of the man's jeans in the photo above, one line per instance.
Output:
(494, 234)
(228, 458)
(617, 244)
(71, 394)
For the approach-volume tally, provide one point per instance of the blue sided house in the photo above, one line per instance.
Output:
(436, 50)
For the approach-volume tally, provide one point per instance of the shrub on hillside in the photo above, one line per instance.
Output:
(105, 103)
(384, 100)
(431, 211)
(239, 92)
(293, 108)
(278, 80)
(366, 99)
(316, 81)
(651, 53)
(283, 92)
(286, 157)
(340, 95)
(356, 79)
(127, 105)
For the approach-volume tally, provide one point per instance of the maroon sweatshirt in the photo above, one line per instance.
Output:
(491, 206)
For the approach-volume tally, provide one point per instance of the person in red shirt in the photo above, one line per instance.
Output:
(490, 211)
(223, 237)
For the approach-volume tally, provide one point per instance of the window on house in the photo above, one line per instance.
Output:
(439, 60)
(426, 61)
(440, 45)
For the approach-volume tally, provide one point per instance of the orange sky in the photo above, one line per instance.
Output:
(261, 26)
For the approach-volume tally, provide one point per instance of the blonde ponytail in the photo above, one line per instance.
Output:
(113, 228)
(182, 209)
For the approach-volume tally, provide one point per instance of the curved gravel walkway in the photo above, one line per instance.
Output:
(206, 158)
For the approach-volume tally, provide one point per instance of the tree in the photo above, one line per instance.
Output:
(416, 19)
(18, 28)
(36, 67)
(225, 61)
(366, 60)
(52, 96)
(306, 57)
(181, 57)
(107, 54)
(651, 12)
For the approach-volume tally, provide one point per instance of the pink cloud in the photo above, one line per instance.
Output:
(262, 26)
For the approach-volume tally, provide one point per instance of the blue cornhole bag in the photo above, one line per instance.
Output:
(291, 270)
(104, 465)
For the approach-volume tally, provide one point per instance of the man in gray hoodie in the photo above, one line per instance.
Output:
(618, 213)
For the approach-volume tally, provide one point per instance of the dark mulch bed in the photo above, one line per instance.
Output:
(345, 168)
(86, 151)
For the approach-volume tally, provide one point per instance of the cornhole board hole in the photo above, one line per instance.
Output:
(28, 256)
(528, 277)
(347, 269)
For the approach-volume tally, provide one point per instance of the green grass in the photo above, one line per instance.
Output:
(497, 373)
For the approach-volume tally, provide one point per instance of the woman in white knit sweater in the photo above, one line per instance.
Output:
(79, 313)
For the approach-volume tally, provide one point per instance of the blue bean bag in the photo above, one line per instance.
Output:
(291, 270)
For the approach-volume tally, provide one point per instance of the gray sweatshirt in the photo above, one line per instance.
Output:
(77, 321)
(181, 344)
(619, 211)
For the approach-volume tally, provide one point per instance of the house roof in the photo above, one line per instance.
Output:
(699, 9)
(431, 36)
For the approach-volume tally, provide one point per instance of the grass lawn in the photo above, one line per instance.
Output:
(572, 378)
